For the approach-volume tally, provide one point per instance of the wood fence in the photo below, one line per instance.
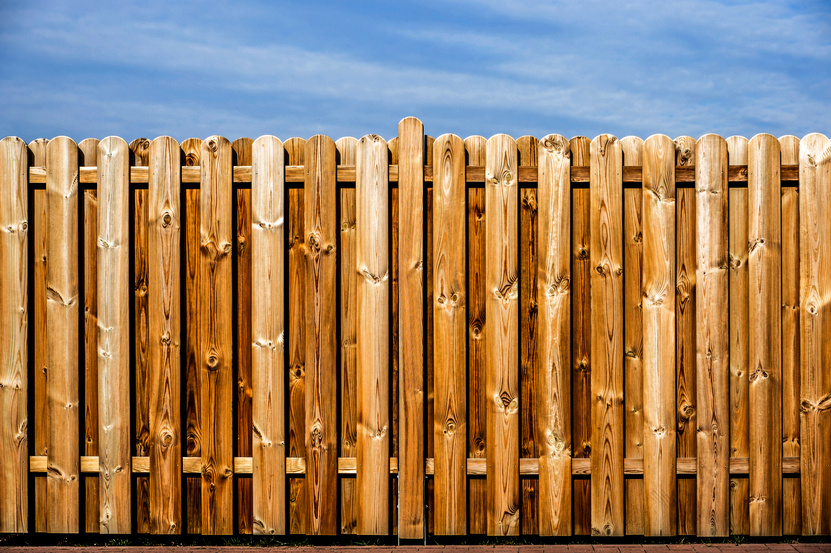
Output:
(532, 336)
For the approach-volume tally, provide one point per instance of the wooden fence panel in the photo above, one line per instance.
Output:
(14, 335)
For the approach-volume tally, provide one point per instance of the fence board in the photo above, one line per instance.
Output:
(62, 358)
(14, 336)
(372, 229)
(268, 335)
(320, 223)
(113, 347)
(502, 335)
(164, 323)
(815, 332)
(659, 449)
(449, 331)
(348, 335)
(792, 496)
(607, 495)
(632, 150)
(553, 432)
(712, 345)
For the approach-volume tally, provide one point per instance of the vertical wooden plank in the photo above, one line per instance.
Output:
(191, 154)
(685, 335)
(215, 335)
(298, 510)
(88, 150)
(502, 335)
(372, 228)
(765, 286)
(528, 324)
(268, 335)
(163, 258)
(449, 332)
(241, 148)
(140, 156)
(411, 331)
(712, 340)
(607, 451)
(553, 268)
(791, 492)
(581, 336)
(815, 332)
(477, 419)
(114, 463)
(392, 147)
(14, 336)
(739, 340)
(62, 359)
(659, 445)
(348, 335)
(320, 223)
(632, 150)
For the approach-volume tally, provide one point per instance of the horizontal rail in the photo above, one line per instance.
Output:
(474, 173)
(295, 466)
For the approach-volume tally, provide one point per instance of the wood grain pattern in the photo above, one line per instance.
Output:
(632, 150)
(113, 347)
(164, 323)
(449, 331)
(712, 340)
(791, 492)
(372, 230)
(348, 336)
(685, 334)
(14, 336)
(659, 446)
(215, 335)
(581, 335)
(62, 357)
(607, 495)
(815, 332)
(268, 335)
(477, 411)
(553, 268)
(502, 335)
(395, 341)
(320, 223)
(411, 329)
(739, 341)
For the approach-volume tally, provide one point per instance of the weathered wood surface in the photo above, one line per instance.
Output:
(14, 336)
(553, 268)
(712, 339)
(449, 330)
(373, 266)
(502, 335)
(62, 358)
(268, 354)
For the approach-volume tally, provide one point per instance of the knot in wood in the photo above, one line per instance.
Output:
(316, 437)
(212, 145)
(24, 226)
(166, 220)
(213, 361)
(582, 253)
(552, 144)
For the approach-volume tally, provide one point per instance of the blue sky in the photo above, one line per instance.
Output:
(92, 69)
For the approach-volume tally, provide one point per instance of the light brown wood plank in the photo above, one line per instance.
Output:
(348, 336)
(449, 331)
(633, 396)
(62, 359)
(268, 355)
(14, 336)
(320, 223)
(164, 323)
(659, 431)
(815, 332)
(791, 492)
(712, 339)
(395, 343)
(372, 231)
(216, 356)
(553, 363)
(113, 347)
(607, 495)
